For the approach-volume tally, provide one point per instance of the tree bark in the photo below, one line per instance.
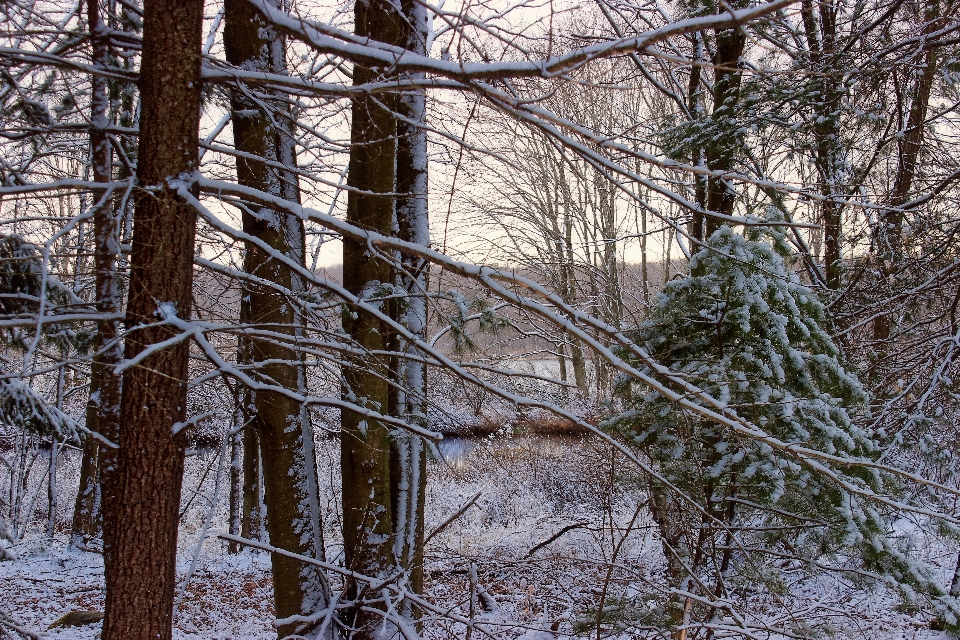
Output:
(251, 524)
(235, 517)
(408, 459)
(280, 421)
(569, 284)
(367, 445)
(103, 408)
(890, 237)
(695, 109)
(829, 162)
(143, 480)
(720, 151)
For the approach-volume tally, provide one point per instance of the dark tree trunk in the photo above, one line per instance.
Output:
(235, 517)
(143, 478)
(280, 421)
(827, 93)
(103, 408)
(829, 153)
(695, 109)
(252, 517)
(889, 240)
(366, 444)
(251, 523)
(720, 151)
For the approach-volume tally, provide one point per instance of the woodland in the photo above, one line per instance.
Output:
(479, 319)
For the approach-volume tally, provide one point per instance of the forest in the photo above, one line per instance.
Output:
(479, 319)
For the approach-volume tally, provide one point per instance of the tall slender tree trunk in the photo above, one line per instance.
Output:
(52, 488)
(829, 152)
(367, 446)
(235, 516)
(726, 96)
(644, 271)
(829, 162)
(143, 480)
(695, 109)
(251, 523)
(570, 283)
(408, 454)
(285, 437)
(890, 237)
(103, 408)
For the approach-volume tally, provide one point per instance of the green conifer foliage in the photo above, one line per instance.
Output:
(746, 330)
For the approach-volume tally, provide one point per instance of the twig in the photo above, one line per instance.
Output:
(569, 527)
(8, 621)
(446, 523)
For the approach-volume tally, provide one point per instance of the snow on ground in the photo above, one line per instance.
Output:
(530, 489)
(228, 597)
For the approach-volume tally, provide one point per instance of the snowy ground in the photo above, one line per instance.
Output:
(530, 488)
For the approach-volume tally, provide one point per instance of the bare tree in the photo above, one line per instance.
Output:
(104, 404)
(262, 138)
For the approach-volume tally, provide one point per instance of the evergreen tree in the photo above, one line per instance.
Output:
(745, 329)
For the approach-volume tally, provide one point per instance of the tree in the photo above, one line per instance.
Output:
(408, 391)
(823, 53)
(889, 235)
(743, 326)
(266, 160)
(370, 452)
(103, 406)
(142, 478)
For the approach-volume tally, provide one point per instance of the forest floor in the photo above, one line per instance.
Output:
(530, 489)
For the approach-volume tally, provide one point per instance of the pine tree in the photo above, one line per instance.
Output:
(143, 478)
(744, 328)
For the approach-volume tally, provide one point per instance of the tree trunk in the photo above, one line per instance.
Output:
(143, 479)
(408, 460)
(695, 109)
(252, 523)
(52, 487)
(829, 153)
(103, 408)
(644, 271)
(822, 50)
(890, 237)
(367, 445)
(726, 96)
(235, 517)
(285, 438)
(571, 286)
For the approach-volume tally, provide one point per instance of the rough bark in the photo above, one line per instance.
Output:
(612, 307)
(366, 444)
(235, 517)
(720, 197)
(695, 110)
(284, 434)
(103, 407)
(251, 524)
(827, 91)
(143, 480)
